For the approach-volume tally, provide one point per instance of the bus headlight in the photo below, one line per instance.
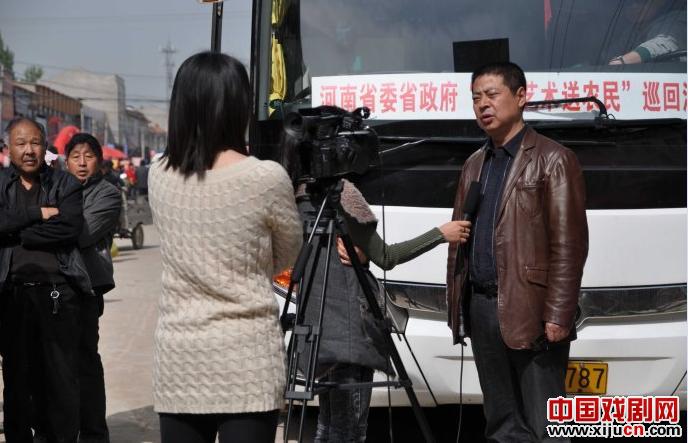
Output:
(280, 283)
(634, 301)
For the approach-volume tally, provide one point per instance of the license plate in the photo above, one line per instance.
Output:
(586, 377)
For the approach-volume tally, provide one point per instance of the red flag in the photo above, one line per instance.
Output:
(548, 13)
(63, 138)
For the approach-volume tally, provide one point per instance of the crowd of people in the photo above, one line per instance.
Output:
(56, 230)
(228, 223)
(124, 174)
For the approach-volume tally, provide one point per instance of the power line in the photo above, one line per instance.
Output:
(108, 18)
(91, 89)
(141, 18)
(135, 99)
(69, 68)
(97, 91)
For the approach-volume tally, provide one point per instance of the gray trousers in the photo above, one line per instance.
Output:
(515, 383)
(343, 413)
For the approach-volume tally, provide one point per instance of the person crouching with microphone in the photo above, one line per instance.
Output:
(351, 344)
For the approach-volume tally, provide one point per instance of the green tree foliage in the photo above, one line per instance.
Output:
(33, 73)
(6, 56)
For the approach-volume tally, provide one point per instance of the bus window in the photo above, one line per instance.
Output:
(592, 33)
(315, 38)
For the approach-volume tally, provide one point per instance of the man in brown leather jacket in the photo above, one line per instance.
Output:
(513, 288)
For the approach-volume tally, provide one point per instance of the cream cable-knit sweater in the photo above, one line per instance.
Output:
(218, 343)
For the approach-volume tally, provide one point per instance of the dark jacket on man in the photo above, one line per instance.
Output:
(113, 179)
(142, 179)
(24, 226)
(540, 243)
(102, 206)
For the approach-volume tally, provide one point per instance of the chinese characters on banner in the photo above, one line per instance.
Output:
(427, 96)
(448, 95)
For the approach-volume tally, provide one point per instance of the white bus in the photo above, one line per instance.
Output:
(402, 59)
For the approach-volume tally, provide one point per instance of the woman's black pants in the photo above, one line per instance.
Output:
(252, 427)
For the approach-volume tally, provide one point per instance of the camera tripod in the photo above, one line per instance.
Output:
(304, 344)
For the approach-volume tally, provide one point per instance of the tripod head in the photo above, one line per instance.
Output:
(325, 194)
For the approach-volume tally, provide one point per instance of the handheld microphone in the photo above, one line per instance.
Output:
(470, 205)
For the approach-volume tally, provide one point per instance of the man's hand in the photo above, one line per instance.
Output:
(456, 231)
(555, 332)
(47, 213)
(344, 256)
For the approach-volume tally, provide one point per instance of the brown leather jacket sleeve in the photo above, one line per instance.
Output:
(568, 239)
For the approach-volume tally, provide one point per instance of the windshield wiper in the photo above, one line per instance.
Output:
(565, 101)
(412, 139)
(410, 142)
(406, 143)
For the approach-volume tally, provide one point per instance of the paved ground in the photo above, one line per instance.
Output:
(126, 341)
(127, 348)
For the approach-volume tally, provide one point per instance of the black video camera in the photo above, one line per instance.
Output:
(331, 141)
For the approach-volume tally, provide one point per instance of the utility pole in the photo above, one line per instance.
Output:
(169, 51)
(216, 25)
(216, 29)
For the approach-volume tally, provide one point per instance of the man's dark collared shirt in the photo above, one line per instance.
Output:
(33, 265)
(498, 161)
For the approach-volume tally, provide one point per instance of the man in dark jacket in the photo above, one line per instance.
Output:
(109, 174)
(43, 279)
(142, 180)
(514, 287)
(102, 205)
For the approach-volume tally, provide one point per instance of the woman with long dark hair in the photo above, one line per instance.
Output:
(227, 222)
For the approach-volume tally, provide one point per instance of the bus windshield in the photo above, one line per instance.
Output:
(629, 53)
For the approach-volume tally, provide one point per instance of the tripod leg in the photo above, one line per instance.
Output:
(302, 421)
(317, 330)
(300, 265)
(305, 339)
(288, 420)
(301, 300)
(301, 308)
(323, 295)
(296, 343)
